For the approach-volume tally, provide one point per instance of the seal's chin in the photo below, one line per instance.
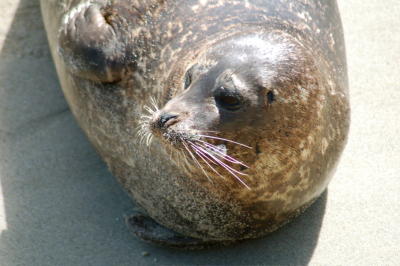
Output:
(176, 139)
(209, 154)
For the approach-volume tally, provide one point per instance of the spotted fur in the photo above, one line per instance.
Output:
(113, 56)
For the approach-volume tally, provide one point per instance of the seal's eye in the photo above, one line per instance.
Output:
(228, 99)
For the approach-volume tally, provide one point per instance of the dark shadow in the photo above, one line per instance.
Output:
(62, 205)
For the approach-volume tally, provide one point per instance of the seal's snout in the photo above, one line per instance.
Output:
(164, 120)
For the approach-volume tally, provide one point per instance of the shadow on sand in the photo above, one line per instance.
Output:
(62, 205)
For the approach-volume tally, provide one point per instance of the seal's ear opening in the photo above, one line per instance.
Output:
(270, 97)
(89, 44)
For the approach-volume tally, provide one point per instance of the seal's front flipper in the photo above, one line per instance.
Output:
(94, 41)
(150, 231)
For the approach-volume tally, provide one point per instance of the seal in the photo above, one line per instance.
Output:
(223, 119)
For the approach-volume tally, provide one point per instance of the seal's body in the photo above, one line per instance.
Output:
(250, 114)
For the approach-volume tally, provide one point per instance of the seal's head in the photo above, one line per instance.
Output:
(239, 93)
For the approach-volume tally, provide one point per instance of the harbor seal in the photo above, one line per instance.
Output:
(223, 119)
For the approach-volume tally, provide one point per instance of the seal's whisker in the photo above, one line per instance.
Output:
(141, 131)
(204, 155)
(154, 103)
(220, 154)
(142, 139)
(148, 109)
(138, 131)
(149, 139)
(142, 124)
(140, 127)
(201, 154)
(223, 139)
(205, 152)
(141, 134)
(139, 137)
(185, 162)
(148, 117)
(211, 131)
(196, 131)
(144, 136)
(196, 161)
(227, 167)
(221, 162)
(206, 149)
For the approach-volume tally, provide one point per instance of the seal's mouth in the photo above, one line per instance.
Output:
(210, 154)
(206, 150)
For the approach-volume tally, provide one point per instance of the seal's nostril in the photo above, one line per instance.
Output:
(165, 118)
